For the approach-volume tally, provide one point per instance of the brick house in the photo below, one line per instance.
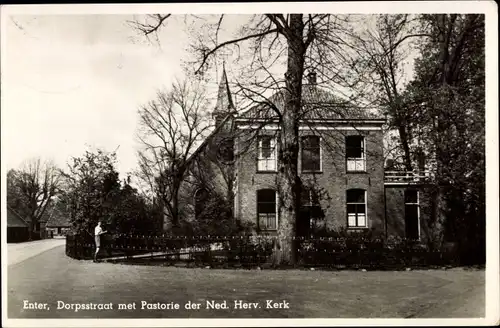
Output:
(341, 165)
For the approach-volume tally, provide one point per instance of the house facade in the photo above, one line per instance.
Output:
(341, 166)
(57, 217)
(339, 191)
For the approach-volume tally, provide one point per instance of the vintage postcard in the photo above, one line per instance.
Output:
(242, 164)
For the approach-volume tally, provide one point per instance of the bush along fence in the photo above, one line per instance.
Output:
(260, 251)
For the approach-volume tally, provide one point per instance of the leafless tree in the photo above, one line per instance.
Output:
(36, 183)
(171, 128)
(382, 50)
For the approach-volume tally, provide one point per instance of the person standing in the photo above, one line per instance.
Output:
(97, 235)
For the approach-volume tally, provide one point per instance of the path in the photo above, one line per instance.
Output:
(19, 252)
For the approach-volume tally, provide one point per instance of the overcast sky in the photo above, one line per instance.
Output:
(77, 81)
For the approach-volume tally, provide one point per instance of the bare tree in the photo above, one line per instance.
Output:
(383, 50)
(171, 128)
(36, 183)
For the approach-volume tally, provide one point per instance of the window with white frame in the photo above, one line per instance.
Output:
(266, 209)
(355, 153)
(356, 208)
(266, 157)
(311, 154)
(412, 214)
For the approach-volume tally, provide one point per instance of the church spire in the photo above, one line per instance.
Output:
(224, 103)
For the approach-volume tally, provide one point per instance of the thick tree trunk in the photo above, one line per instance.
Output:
(171, 221)
(403, 135)
(31, 229)
(438, 204)
(288, 179)
(175, 211)
(230, 192)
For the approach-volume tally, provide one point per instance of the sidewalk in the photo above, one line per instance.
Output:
(19, 252)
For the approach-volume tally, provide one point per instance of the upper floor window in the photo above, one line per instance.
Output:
(266, 157)
(355, 153)
(356, 208)
(266, 209)
(311, 154)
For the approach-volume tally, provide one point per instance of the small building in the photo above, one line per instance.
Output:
(58, 223)
(17, 227)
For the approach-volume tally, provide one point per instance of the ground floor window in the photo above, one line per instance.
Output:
(356, 208)
(266, 209)
(311, 214)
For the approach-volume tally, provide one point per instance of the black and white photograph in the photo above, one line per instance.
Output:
(234, 163)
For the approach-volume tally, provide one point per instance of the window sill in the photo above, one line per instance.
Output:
(357, 172)
(312, 172)
(357, 228)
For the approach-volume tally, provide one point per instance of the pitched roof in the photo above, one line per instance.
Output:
(57, 216)
(210, 137)
(14, 220)
(317, 103)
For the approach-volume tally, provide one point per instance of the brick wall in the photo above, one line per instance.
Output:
(333, 180)
(206, 171)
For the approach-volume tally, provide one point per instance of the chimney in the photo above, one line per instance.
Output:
(312, 77)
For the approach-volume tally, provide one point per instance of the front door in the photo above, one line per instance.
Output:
(412, 214)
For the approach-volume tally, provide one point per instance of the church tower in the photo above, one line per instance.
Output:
(224, 104)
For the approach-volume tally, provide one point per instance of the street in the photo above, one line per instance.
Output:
(21, 251)
(51, 285)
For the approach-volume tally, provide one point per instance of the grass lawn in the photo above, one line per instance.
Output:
(52, 277)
